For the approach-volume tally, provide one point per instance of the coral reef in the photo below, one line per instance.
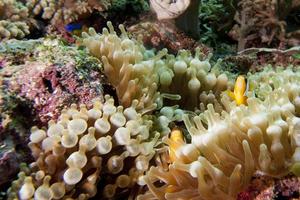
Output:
(258, 20)
(264, 187)
(13, 19)
(84, 147)
(149, 113)
(57, 75)
(263, 22)
(39, 78)
(225, 150)
(289, 187)
(260, 188)
(216, 20)
(255, 59)
(35, 18)
(66, 11)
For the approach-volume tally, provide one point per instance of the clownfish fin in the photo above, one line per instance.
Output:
(231, 94)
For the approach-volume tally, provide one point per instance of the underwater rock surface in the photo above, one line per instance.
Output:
(37, 81)
(50, 79)
(139, 99)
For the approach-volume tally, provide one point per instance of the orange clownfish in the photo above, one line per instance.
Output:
(240, 88)
(176, 140)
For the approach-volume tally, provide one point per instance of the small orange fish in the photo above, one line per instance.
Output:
(240, 88)
(176, 141)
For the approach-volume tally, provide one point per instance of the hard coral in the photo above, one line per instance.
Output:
(84, 147)
(65, 10)
(225, 150)
(13, 19)
(262, 22)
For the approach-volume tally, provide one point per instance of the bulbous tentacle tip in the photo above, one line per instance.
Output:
(122, 29)
(110, 27)
(92, 31)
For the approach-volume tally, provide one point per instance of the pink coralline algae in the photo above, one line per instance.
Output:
(51, 87)
(267, 188)
(2, 62)
(288, 188)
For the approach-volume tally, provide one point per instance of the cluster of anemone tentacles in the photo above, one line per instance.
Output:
(138, 73)
(129, 151)
(226, 150)
(104, 143)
